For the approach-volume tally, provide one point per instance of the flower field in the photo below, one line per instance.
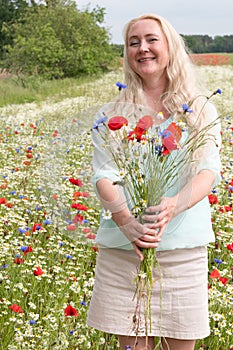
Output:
(49, 216)
(213, 59)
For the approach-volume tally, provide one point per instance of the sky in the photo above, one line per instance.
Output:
(211, 17)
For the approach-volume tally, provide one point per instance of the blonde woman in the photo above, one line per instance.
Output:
(160, 77)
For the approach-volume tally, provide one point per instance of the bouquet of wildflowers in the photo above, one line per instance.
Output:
(150, 155)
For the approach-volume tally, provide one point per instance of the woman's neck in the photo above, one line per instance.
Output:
(154, 98)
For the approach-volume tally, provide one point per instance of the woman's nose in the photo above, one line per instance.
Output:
(144, 47)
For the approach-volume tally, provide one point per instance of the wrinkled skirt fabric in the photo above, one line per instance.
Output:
(179, 302)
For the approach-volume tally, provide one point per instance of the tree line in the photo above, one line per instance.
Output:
(207, 44)
(53, 38)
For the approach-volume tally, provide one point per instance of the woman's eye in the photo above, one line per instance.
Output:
(153, 39)
(134, 43)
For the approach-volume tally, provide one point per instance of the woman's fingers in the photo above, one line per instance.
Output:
(138, 251)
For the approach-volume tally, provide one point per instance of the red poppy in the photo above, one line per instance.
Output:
(16, 308)
(18, 261)
(225, 208)
(36, 227)
(55, 133)
(213, 199)
(71, 311)
(91, 235)
(86, 230)
(79, 206)
(81, 194)
(143, 126)
(28, 250)
(78, 218)
(173, 134)
(29, 155)
(116, 123)
(165, 151)
(224, 280)
(2, 200)
(38, 271)
(76, 182)
(26, 162)
(9, 205)
(215, 274)
(230, 247)
(145, 122)
(71, 227)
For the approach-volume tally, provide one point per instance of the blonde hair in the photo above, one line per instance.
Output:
(181, 87)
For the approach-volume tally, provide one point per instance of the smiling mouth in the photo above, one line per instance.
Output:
(146, 59)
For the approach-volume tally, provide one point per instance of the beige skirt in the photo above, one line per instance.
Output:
(179, 302)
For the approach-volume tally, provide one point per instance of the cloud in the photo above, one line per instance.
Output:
(212, 17)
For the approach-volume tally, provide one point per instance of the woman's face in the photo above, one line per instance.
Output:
(147, 49)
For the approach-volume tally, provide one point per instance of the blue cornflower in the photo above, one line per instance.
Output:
(164, 134)
(83, 303)
(71, 332)
(47, 222)
(22, 230)
(218, 91)
(158, 149)
(121, 86)
(100, 121)
(186, 108)
(68, 256)
(61, 244)
(38, 207)
(127, 347)
(218, 261)
(85, 221)
(12, 192)
(24, 248)
(31, 322)
(4, 266)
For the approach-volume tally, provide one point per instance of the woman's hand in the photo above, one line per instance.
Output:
(140, 235)
(193, 192)
(160, 215)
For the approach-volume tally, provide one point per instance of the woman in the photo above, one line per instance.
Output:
(159, 76)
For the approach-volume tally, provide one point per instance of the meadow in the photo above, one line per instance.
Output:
(49, 216)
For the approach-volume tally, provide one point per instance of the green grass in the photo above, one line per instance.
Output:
(19, 90)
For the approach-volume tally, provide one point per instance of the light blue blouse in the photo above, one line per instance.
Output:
(189, 229)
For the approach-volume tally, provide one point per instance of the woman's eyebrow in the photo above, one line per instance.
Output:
(148, 34)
